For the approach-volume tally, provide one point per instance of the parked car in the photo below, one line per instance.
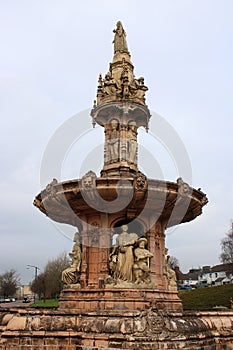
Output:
(26, 300)
(185, 288)
(7, 300)
(2, 300)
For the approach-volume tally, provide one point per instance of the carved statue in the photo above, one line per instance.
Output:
(50, 188)
(171, 275)
(110, 85)
(88, 187)
(124, 252)
(129, 260)
(113, 142)
(113, 265)
(71, 274)
(183, 188)
(140, 182)
(138, 89)
(142, 262)
(120, 44)
(132, 143)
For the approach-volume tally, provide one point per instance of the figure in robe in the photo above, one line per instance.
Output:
(72, 273)
(113, 142)
(125, 258)
(132, 143)
(120, 44)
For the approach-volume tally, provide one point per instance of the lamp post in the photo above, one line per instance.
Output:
(36, 273)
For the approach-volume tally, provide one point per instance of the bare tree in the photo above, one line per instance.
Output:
(173, 262)
(9, 282)
(48, 284)
(226, 256)
(38, 286)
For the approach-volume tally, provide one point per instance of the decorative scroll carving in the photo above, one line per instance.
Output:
(71, 275)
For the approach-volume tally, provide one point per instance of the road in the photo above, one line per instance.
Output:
(13, 304)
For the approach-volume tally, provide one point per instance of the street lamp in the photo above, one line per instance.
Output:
(36, 273)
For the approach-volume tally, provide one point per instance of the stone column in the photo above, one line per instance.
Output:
(156, 246)
(84, 266)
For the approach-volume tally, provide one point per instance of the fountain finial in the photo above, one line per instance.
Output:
(120, 43)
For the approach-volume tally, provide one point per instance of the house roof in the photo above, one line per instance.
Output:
(187, 276)
(194, 273)
(222, 268)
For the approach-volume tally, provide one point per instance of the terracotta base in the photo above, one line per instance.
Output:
(136, 330)
(118, 299)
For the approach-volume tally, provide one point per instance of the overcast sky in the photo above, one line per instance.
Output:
(51, 55)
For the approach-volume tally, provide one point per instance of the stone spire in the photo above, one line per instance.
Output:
(120, 84)
(120, 108)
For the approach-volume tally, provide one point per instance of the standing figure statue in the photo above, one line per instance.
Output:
(142, 262)
(72, 273)
(120, 44)
(113, 142)
(171, 275)
(132, 143)
(125, 257)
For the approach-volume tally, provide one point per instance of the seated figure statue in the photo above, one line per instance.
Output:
(142, 262)
(71, 274)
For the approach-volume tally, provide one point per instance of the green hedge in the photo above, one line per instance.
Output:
(207, 298)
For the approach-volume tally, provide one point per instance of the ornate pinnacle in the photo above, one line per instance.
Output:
(120, 84)
(120, 43)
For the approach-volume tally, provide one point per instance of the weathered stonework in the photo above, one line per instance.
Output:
(147, 329)
(120, 290)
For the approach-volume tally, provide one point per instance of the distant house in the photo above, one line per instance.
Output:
(27, 292)
(187, 279)
(206, 276)
(216, 275)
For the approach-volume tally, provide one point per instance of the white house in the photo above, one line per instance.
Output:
(216, 275)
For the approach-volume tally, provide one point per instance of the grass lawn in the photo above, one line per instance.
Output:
(196, 299)
(207, 298)
(46, 303)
